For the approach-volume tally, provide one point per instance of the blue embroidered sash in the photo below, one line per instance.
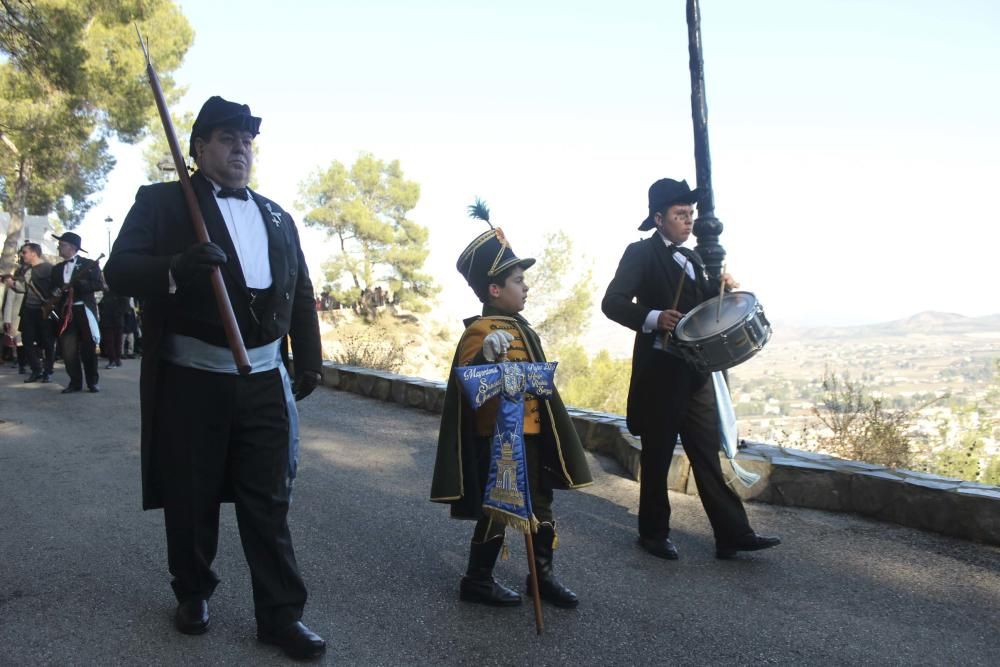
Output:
(507, 497)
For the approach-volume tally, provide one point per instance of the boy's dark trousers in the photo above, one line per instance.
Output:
(699, 432)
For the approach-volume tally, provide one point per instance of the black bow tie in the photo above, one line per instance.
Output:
(238, 193)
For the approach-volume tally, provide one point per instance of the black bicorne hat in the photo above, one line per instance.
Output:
(217, 112)
(488, 255)
(667, 192)
(71, 238)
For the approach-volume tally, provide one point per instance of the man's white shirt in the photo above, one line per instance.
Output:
(246, 228)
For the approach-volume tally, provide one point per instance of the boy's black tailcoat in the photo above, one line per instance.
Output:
(646, 279)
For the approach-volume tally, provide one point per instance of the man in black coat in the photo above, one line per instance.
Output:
(667, 396)
(210, 435)
(37, 331)
(75, 280)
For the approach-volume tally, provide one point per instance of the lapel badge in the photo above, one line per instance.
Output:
(275, 215)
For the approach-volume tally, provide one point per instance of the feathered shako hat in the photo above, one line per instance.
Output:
(489, 254)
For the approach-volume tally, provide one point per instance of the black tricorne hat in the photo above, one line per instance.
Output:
(71, 238)
(217, 112)
(488, 255)
(667, 192)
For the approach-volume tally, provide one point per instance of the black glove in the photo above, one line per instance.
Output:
(305, 382)
(196, 262)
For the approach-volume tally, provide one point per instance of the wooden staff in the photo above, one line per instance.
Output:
(232, 329)
(533, 573)
(532, 570)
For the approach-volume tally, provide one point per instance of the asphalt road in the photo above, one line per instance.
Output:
(83, 575)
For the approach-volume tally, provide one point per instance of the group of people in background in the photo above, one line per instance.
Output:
(65, 310)
(368, 301)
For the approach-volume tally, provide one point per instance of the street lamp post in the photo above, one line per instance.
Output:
(107, 222)
(707, 228)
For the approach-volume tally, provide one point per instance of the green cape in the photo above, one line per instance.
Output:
(459, 474)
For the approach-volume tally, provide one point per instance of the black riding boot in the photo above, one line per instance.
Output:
(478, 584)
(549, 587)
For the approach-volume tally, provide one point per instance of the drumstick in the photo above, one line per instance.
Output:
(722, 290)
(677, 296)
(680, 285)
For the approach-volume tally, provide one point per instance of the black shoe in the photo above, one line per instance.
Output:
(71, 390)
(750, 542)
(34, 377)
(487, 591)
(296, 640)
(192, 617)
(663, 548)
(94, 389)
(550, 590)
(46, 378)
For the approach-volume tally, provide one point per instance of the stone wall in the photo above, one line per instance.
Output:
(788, 476)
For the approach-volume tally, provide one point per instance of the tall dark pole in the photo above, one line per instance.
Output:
(707, 228)
(107, 223)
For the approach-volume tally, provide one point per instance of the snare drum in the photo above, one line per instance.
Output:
(714, 341)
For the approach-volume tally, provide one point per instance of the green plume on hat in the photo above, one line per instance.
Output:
(479, 211)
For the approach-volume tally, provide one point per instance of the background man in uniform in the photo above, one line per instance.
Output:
(210, 435)
(667, 396)
(77, 278)
(37, 331)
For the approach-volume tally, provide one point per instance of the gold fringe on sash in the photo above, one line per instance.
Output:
(514, 521)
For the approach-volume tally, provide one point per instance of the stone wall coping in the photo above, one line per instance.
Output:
(793, 477)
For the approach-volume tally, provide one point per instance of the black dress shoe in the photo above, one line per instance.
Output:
(94, 389)
(663, 548)
(487, 591)
(296, 640)
(34, 377)
(70, 390)
(192, 617)
(750, 542)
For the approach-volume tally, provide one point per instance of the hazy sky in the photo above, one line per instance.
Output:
(854, 143)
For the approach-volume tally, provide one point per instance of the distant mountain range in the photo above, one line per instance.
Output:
(929, 322)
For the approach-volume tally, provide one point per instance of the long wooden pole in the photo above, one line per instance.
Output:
(232, 329)
(533, 573)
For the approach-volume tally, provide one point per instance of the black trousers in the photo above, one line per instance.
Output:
(111, 343)
(225, 434)
(77, 344)
(541, 493)
(698, 426)
(39, 341)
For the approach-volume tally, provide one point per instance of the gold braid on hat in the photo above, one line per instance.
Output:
(480, 211)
